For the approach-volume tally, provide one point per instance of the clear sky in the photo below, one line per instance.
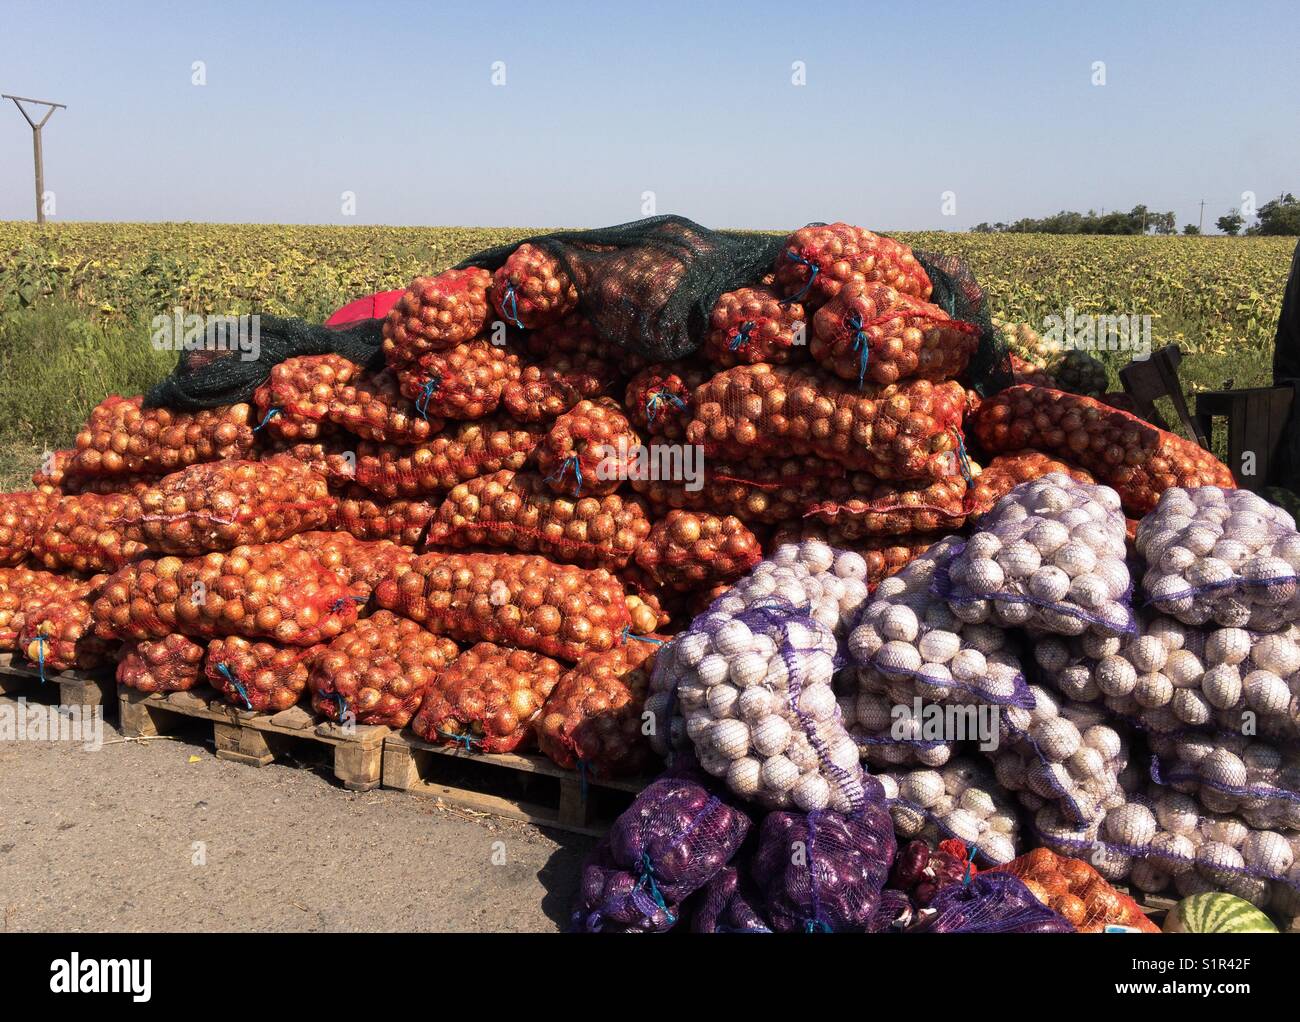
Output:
(693, 101)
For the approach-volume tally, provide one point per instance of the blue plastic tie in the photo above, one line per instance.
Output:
(467, 741)
(798, 295)
(627, 634)
(742, 335)
(558, 474)
(511, 300)
(817, 926)
(343, 704)
(426, 393)
(970, 862)
(40, 656)
(860, 345)
(647, 882)
(963, 462)
(342, 602)
(243, 694)
(658, 398)
(271, 413)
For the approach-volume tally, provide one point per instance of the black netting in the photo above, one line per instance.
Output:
(957, 292)
(650, 285)
(205, 378)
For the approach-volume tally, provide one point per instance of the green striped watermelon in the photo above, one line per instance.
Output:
(1217, 913)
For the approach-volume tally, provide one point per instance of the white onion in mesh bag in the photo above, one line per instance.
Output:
(1226, 557)
(1049, 555)
(1228, 773)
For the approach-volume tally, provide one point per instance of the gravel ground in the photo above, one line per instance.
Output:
(161, 835)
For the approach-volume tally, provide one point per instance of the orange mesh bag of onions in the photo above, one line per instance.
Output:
(365, 515)
(873, 333)
(359, 564)
(756, 490)
(132, 485)
(752, 325)
(59, 635)
(1133, 457)
(436, 313)
(908, 430)
(84, 533)
(593, 718)
(521, 600)
(257, 675)
(860, 505)
(487, 698)
(1073, 889)
(552, 384)
(334, 458)
(49, 478)
(269, 591)
(170, 664)
(464, 382)
(817, 261)
(374, 407)
(589, 450)
(466, 450)
(658, 398)
(22, 516)
(226, 504)
(378, 671)
(294, 403)
(885, 555)
(518, 511)
(24, 590)
(688, 550)
(122, 437)
(532, 289)
(1005, 472)
(1024, 371)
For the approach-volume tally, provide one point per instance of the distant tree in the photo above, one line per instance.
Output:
(1230, 222)
(1191, 229)
(1280, 216)
(984, 228)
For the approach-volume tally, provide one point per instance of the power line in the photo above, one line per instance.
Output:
(37, 153)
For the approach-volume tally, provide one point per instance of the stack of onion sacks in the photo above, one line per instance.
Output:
(122, 437)
(171, 664)
(260, 676)
(60, 634)
(24, 590)
(819, 260)
(84, 533)
(688, 550)
(22, 516)
(464, 451)
(590, 449)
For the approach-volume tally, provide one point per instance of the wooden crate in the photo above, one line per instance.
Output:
(18, 676)
(1257, 418)
(517, 786)
(243, 736)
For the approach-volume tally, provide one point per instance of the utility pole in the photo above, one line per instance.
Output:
(1200, 222)
(36, 144)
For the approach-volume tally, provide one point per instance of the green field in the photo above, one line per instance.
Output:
(76, 300)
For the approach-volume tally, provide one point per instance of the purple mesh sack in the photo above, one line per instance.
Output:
(1228, 773)
(1227, 557)
(1050, 555)
(990, 903)
(894, 913)
(725, 907)
(669, 843)
(821, 871)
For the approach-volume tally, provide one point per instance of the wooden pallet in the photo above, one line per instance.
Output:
(243, 736)
(19, 676)
(516, 786)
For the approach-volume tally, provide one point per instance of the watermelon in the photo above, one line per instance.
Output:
(1217, 913)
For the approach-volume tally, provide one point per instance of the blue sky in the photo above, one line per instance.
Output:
(692, 101)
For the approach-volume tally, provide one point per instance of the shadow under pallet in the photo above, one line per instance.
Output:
(516, 786)
(257, 739)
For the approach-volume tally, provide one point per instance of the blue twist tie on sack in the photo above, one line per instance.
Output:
(558, 474)
(426, 394)
(658, 398)
(860, 345)
(627, 634)
(963, 462)
(742, 335)
(338, 605)
(798, 296)
(243, 694)
(40, 657)
(466, 741)
(271, 413)
(511, 301)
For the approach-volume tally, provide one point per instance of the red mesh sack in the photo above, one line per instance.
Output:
(59, 635)
(754, 325)
(466, 450)
(83, 534)
(24, 590)
(331, 457)
(818, 260)
(226, 504)
(1133, 457)
(53, 471)
(1073, 889)
(532, 289)
(359, 564)
(885, 555)
(861, 505)
(269, 591)
(589, 450)
(909, 430)
(658, 399)
(294, 403)
(1024, 371)
(132, 485)
(552, 385)
(365, 515)
(1005, 472)
(171, 664)
(378, 671)
(689, 550)
(260, 676)
(22, 516)
(487, 698)
(122, 438)
(464, 382)
(593, 717)
(436, 313)
(374, 407)
(518, 511)
(556, 609)
(871, 332)
(768, 491)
